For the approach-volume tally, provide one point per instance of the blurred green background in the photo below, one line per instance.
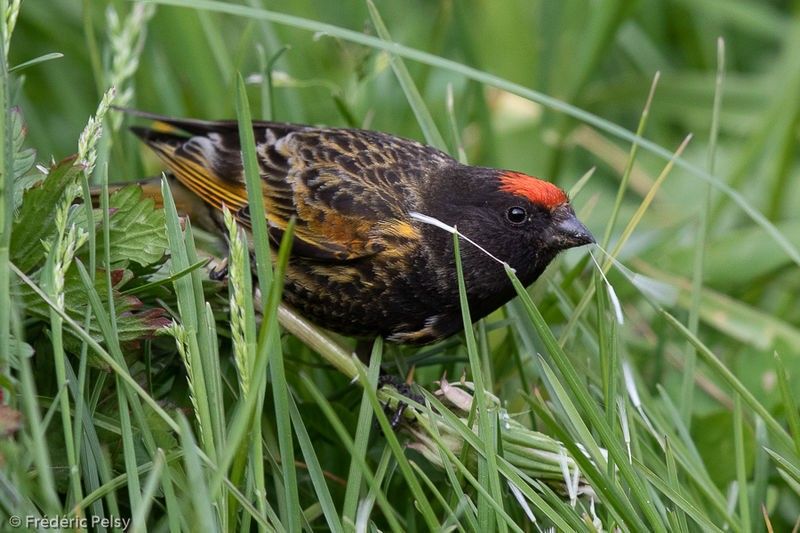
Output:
(600, 56)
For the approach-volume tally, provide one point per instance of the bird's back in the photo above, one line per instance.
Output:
(350, 192)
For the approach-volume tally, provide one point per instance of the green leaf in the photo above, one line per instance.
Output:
(136, 228)
(36, 218)
(785, 466)
(24, 183)
(17, 349)
(134, 321)
(36, 61)
(23, 157)
(576, 389)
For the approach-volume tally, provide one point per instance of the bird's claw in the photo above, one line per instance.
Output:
(219, 272)
(404, 388)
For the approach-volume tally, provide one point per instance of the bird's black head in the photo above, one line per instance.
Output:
(519, 219)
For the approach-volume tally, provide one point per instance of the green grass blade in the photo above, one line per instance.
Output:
(202, 515)
(674, 483)
(40, 452)
(761, 473)
(452, 519)
(117, 482)
(361, 440)
(741, 468)
(242, 421)
(255, 196)
(402, 462)
(315, 470)
(129, 449)
(216, 43)
(687, 388)
(459, 497)
(167, 280)
(35, 61)
(578, 391)
(626, 234)
(266, 282)
(619, 506)
(128, 444)
(347, 441)
(138, 521)
(489, 467)
(458, 144)
(424, 118)
(789, 402)
(193, 320)
(724, 372)
(478, 446)
(6, 209)
(788, 467)
(626, 175)
(692, 511)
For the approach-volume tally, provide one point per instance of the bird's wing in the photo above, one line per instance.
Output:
(348, 189)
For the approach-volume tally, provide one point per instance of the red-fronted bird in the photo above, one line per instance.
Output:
(362, 264)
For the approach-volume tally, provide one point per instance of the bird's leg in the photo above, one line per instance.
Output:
(405, 387)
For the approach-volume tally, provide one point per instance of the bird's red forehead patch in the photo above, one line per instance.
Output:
(537, 191)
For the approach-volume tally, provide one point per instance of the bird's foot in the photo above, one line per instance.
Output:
(219, 271)
(406, 388)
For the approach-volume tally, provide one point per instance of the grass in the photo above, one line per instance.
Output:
(656, 391)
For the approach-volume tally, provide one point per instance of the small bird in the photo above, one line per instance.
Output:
(364, 262)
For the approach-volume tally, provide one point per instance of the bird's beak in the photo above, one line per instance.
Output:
(569, 231)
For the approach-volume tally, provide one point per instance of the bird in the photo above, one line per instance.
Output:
(364, 261)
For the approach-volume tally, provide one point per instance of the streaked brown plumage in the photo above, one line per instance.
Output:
(361, 264)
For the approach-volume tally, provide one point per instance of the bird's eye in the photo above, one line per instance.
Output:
(516, 215)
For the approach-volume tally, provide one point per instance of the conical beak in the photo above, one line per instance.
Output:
(569, 231)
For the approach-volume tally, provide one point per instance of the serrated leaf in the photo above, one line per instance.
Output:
(24, 158)
(23, 184)
(134, 320)
(136, 228)
(35, 220)
(18, 129)
(23, 162)
(18, 348)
